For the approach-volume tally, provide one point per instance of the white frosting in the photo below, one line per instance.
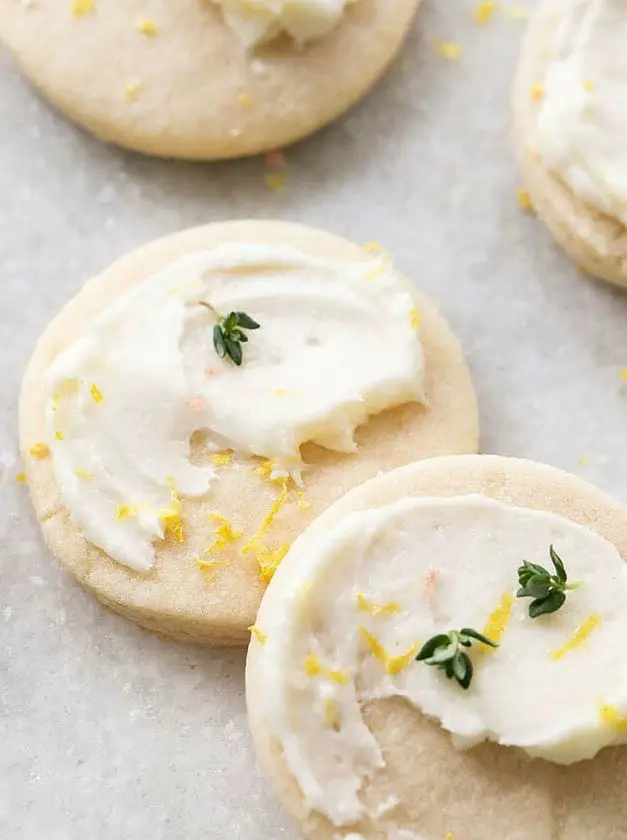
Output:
(582, 119)
(434, 565)
(259, 21)
(336, 344)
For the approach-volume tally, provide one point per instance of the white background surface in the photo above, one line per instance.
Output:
(105, 732)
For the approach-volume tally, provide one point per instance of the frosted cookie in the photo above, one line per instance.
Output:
(204, 79)
(377, 710)
(168, 478)
(571, 126)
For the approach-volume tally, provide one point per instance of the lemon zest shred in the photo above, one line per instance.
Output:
(275, 181)
(301, 500)
(332, 713)
(524, 200)
(244, 100)
(384, 609)
(269, 560)
(337, 675)
(124, 511)
(147, 27)
(537, 92)
(58, 435)
(449, 50)
(82, 7)
(589, 86)
(610, 716)
(171, 517)
(223, 459)
(376, 648)
(208, 565)
(415, 318)
(497, 622)
(226, 535)
(393, 664)
(132, 89)
(384, 263)
(39, 451)
(483, 12)
(579, 637)
(21, 478)
(96, 394)
(258, 634)
(312, 666)
(623, 374)
(84, 474)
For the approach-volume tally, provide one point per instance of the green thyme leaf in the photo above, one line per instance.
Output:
(228, 332)
(446, 651)
(548, 591)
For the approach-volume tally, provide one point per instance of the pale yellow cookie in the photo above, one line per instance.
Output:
(210, 596)
(426, 788)
(173, 80)
(595, 241)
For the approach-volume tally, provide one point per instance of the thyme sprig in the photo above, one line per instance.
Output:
(548, 591)
(446, 651)
(228, 332)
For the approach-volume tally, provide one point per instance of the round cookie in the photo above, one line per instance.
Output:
(595, 241)
(177, 598)
(182, 85)
(434, 790)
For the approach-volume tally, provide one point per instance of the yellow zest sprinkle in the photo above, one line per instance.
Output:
(56, 402)
(171, 517)
(384, 263)
(123, 512)
(269, 518)
(58, 435)
(83, 474)
(225, 535)
(448, 50)
(82, 7)
(579, 638)
(610, 716)
(258, 634)
(484, 11)
(269, 560)
(414, 318)
(280, 392)
(21, 478)
(39, 451)
(393, 664)
(302, 501)
(312, 666)
(208, 566)
(96, 394)
(515, 12)
(450, 836)
(623, 374)
(376, 648)
(582, 461)
(244, 100)
(589, 86)
(497, 622)
(385, 609)
(332, 713)
(131, 90)
(223, 459)
(524, 200)
(265, 471)
(275, 181)
(147, 27)
(537, 92)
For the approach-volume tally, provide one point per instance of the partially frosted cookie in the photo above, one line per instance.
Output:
(377, 710)
(171, 481)
(204, 79)
(571, 126)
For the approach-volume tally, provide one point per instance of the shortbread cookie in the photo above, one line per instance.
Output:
(193, 475)
(570, 128)
(361, 740)
(203, 79)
